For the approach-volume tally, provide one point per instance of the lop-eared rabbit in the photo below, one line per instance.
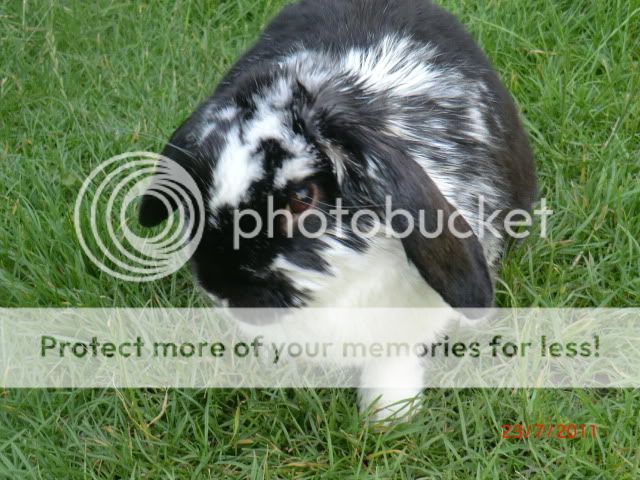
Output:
(355, 103)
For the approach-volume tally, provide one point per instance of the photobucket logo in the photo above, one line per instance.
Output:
(107, 204)
(393, 223)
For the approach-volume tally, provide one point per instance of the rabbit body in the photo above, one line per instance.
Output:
(358, 101)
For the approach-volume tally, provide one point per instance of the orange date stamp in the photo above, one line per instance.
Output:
(561, 431)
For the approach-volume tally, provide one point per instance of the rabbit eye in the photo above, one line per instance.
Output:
(302, 198)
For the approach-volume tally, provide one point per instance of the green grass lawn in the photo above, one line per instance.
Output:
(80, 83)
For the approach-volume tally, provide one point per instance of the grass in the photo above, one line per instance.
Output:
(80, 83)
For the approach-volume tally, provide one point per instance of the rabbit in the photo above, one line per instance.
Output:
(356, 102)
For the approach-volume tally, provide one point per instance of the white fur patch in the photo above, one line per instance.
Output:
(380, 276)
(236, 170)
(397, 65)
(294, 169)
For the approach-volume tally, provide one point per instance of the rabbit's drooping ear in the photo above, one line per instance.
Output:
(452, 262)
(454, 265)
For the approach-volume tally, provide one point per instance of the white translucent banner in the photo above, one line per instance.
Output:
(224, 348)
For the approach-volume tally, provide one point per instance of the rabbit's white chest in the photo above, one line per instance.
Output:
(381, 277)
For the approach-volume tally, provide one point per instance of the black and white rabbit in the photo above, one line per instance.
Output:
(356, 101)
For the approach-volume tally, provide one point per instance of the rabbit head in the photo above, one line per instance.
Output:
(300, 144)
